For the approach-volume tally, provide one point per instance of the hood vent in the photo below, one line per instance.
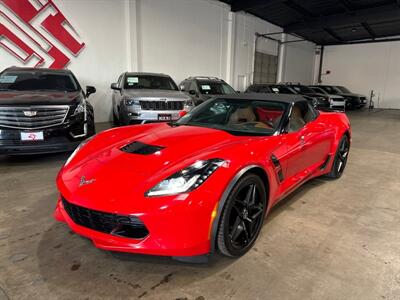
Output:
(140, 148)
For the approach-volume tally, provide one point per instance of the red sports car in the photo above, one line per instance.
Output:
(203, 183)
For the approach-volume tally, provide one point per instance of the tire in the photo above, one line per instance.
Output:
(242, 216)
(341, 156)
(90, 122)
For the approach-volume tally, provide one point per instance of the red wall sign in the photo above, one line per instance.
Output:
(37, 31)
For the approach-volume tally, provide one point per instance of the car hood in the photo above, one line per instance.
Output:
(350, 95)
(119, 175)
(155, 94)
(39, 98)
(335, 96)
(315, 95)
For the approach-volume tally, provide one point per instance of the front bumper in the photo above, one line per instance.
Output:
(56, 139)
(181, 229)
(138, 115)
(338, 105)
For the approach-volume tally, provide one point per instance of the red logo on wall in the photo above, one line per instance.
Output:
(37, 33)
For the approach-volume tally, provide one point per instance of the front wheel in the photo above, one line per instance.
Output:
(342, 153)
(242, 217)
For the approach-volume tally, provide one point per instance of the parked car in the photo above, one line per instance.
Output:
(353, 101)
(43, 111)
(204, 183)
(321, 99)
(316, 101)
(336, 102)
(202, 88)
(147, 97)
(270, 88)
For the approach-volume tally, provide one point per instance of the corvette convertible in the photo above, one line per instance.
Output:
(204, 183)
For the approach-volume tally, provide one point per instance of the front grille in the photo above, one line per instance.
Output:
(125, 226)
(161, 105)
(32, 117)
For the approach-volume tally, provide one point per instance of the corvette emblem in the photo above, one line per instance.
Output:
(86, 182)
(30, 113)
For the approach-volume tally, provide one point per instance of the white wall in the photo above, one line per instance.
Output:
(299, 59)
(366, 67)
(179, 37)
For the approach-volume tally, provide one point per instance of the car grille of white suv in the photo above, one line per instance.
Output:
(161, 105)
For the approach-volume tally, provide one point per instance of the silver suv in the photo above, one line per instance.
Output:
(147, 97)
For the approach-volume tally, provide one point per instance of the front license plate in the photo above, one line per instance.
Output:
(164, 117)
(32, 136)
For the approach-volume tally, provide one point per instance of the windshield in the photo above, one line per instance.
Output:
(37, 80)
(281, 89)
(301, 89)
(215, 88)
(318, 90)
(150, 82)
(331, 89)
(259, 88)
(238, 117)
(343, 89)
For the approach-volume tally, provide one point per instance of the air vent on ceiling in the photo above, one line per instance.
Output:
(141, 148)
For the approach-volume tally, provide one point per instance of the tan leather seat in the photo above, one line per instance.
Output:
(242, 115)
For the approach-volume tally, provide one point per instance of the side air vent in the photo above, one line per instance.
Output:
(140, 148)
(278, 167)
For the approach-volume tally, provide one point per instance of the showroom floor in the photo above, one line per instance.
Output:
(330, 240)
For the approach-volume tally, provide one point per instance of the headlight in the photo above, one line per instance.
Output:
(77, 150)
(81, 108)
(187, 179)
(189, 104)
(130, 102)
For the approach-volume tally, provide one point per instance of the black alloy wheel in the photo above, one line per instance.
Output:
(341, 157)
(242, 217)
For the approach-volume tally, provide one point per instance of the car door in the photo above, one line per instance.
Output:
(308, 143)
(317, 138)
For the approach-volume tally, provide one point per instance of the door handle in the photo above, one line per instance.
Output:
(302, 141)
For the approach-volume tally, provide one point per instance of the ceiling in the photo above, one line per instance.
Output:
(328, 22)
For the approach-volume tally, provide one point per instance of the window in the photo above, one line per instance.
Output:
(302, 113)
(265, 68)
(192, 86)
(149, 82)
(119, 81)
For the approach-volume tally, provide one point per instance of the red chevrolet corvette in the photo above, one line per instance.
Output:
(203, 183)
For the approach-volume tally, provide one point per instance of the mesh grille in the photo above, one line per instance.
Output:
(161, 105)
(126, 226)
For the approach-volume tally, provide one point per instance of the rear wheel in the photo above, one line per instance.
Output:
(242, 217)
(342, 153)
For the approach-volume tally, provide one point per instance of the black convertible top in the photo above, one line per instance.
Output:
(287, 98)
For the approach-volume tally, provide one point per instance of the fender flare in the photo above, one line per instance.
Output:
(222, 201)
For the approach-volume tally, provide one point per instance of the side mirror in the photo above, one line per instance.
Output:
(238, 92)
(182, 88)
(90, 90)
(192, 92)
(114, 86)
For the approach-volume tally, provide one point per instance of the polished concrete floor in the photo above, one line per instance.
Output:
(329, 240)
